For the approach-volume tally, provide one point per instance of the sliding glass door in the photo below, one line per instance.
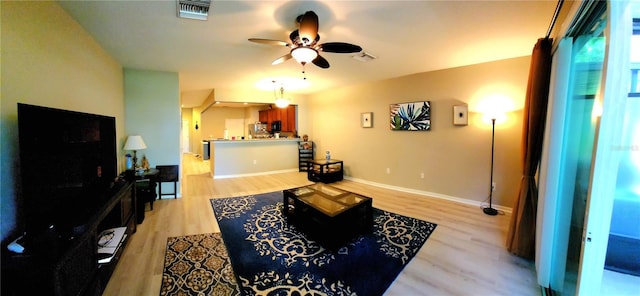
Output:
(580, 165)
(609, 111)
(576, 161)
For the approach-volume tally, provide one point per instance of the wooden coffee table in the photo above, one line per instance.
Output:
(327, 214)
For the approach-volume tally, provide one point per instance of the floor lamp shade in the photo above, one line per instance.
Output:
(134, 143)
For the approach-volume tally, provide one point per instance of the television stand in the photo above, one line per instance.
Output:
(57, 264)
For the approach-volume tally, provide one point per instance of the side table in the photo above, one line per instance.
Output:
(325, 171)
(145, 188)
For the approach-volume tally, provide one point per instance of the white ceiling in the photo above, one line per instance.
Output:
(407, 37)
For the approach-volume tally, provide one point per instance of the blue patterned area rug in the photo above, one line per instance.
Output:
(271, 257)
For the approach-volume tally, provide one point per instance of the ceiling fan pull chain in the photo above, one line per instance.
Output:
(304, 73)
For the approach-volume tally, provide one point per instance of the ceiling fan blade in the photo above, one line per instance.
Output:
(340, 47)
(282, 59)
(269, 41)
(321, 62)
(308, 27)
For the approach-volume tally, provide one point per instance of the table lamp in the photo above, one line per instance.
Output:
(134, 143)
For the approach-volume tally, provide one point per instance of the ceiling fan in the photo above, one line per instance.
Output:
(304, 43)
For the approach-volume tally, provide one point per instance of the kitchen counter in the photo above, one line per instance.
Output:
(219, 141)
(237, 158)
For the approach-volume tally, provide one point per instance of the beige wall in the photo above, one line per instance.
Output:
(49, 60)
(213, 120)
(455, 160)
(194, 115)
(252, 114)
(186, 114)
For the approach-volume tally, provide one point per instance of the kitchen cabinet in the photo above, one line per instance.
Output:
(291, 118)
(263, 116)
(282, 114)
(274, 114)
(287, 117)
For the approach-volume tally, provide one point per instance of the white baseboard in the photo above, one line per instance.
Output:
(428, 194)
(386, 186)
(256, 174)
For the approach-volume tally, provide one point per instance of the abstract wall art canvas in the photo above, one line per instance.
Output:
(413, 116)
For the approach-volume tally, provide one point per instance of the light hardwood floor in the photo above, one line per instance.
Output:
(464, 256)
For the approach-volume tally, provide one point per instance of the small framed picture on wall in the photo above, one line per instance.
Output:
(366, 119)
(460, 115)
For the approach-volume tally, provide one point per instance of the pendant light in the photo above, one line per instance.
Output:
(281, 102)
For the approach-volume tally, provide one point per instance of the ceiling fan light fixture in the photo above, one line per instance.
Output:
(303, 54)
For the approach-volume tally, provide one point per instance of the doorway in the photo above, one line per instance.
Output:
(585, 78)
(185, 137)
(581, 164)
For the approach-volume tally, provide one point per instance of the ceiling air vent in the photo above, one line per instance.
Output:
(364, 56)
(194, 9)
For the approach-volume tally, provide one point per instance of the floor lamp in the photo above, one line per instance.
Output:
(491, 211)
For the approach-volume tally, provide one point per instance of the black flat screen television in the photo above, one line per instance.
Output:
(67, 164)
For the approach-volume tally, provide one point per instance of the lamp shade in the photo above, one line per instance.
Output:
(304, 54)
(282, 102)
(495, 106)
(498, 115)
(134, 143)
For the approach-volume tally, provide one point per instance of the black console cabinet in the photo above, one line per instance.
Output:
(57, 264)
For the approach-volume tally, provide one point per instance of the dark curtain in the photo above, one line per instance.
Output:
(522, 229)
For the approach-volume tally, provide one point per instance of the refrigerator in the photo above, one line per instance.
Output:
(258, 130)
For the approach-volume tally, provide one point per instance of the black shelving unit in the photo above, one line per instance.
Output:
(59, 263)
(305, 154)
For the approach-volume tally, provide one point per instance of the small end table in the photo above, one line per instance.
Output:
(325, 171)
